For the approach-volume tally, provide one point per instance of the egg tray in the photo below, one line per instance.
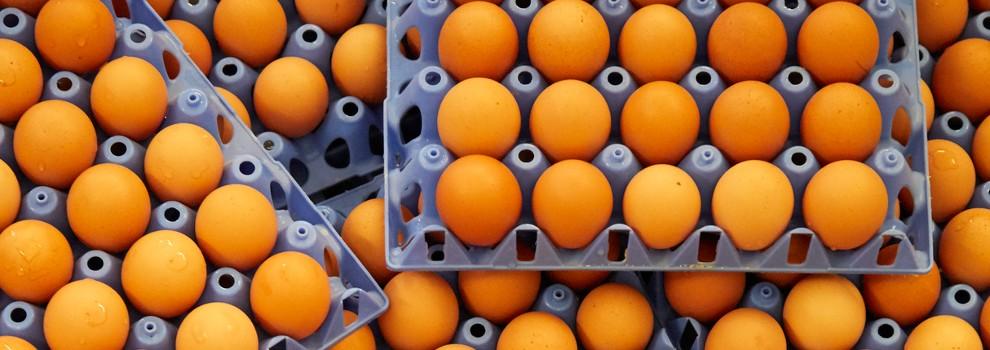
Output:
(191, 100)
(345, 151)
(415, 157)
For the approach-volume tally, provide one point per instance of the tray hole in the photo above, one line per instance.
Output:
(193, 2)
(229, 69)
(246, 168)
(797, 249)
(791, 4)
(799, 158)
(955, 122)
(41, 197)
(524, 77)
(885, 81)
(63, 84)
(433, 78)
(338, 154)
(618, 242)
(18, 315)
(150, 327)
(118, 149)
(436, 255)
(526, 155)
(376, 140)
(708, 246)
(615, 78)
(795, 78)
(411, 124)
(172, 214)
(411, 192)
(703, 78)
(299, 171)
(138, 36)
(95, 263)
(885, 331)
(688, 337)
(897, 43)
(282, 344)
(477, 330)
(310, 36)
(888, 251)
(172, 67)
(120, 8)
(11, 20)
(905, 202)
(226, 281)
(350, 109)
(901, 123)
(986, 22)
(330, 263)
(410, 45)
(962, 296)
(525, 245)
(278, 194)
(524, 4)
(558, 294)
(226, 130)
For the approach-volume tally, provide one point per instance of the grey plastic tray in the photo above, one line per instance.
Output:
(415, 158)
(191, 100)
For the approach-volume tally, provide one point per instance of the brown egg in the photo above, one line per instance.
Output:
(568, 40)
(570, 120)
(54, 142)
(578, 280)
(704, 295)
(657, 31)
(905, 299)
(334, 17)
(10, 200)
(194, 42)
(943, 332)
(537, 330)
(662, 204)
(901, 128)
(236, 227)
(478, 39)
(290, 294)
(361, 339)
(660, 122)
(960, 250)
(75, 35)
(498, 296)
(184, 163)
(358, 63)
(226, 129)
(729, 3)
(981, 151)
(817, 3)
(251, 30)
(838, 42)
(645, 3)
(129, 97)
(216, 326)
(750, 120)
(86, 312)
(10, 342)
(494, 194)
(845, 203)
(20, 82)
(753, 202)
(162, 7)
(781, 279)
(457, 346)
(961, 81)
(824, 311)
(940, 22)
(479, 116)
(985, 323)
(291, 96)
(747, 42)
(614, 316)
(746, 328)
(37, 261)
(364, 233)
(108, 207)
(163, 274)
(423, 312)
(30, 6)
(841, 121)
(952, 177)
(572, 203)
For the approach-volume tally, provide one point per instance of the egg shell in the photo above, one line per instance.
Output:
(657, 31)
(364, 233)
(162, 7)
(478, 39)
(494, 194)
(537, 330)
(254, 31)
(226, 129)
(163, 274)
(30, 6)
(10, 200)
(746, 328)
(901, 128)
(824, 311)
(291, 96)
(749, 120)
(845, 203)
(75, 35)
(578, 280)
(747, 41)
(194, 42)
(358, 63)
(183, 162)
(961, 82)
(456, 346)
(818, 3)
(781, 279)
(86, 314)
(704, 295)
(568, 40)
(729, 3)
(660, 123)
(108, 207)
(361, 339)
(943, 332)
(216, 326)
(961, 253)
(841, 121)
(572, 203)
(479, 116)
(423, 312)
(21, 81)
(985, 323)
(570, 120)
(906, 299)
(129, 98)
(290, 294)
(37, 260)
(614, 316)
(662, 204)
(952, 176)
(940, 22)
(54, 142)
(334, 16)
(498, 296)
(980, 151)
(753, 202)
(236, 227)
(838, 42)
(14, 343)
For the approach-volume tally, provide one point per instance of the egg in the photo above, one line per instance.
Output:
(662, 204)
(253, 31)
(730, 3)
(905, 299)
(30, 6)
(478, 39)
(290, 295)
(10, 342)
(746, 328)
(498, 296)
(494, 194)
(334, 17)
(578, 280)
(614, 316)
(660, 123)
(838, 42)
(570, 120)
(37, 261)
(657, 31)
(184, 163)
(961, 253)
(291, 96)
(747, 42)
(236, 227)
(952, 176)
(75, 35)
(226, 129)
(194, 42)
(479, 116)
(572, 203)
(980, 152)
(216, 326)
(824, 311)
(940, 22)
(537, 330)
(901, 128)
(943, 332)
(568, 40)
(423, 312)
(818, 3)
(781, 279)
(749, 120)
(163, 274)
(10, 201)
(845, 203)
(53, 143)
(841, 121)
(361, 339)
(20, 81)
(704, 295)
(86, 314)
(129, 98)
(108, 207)
(985, 323)
(364, 232)
(456, 346)
(358, 63)
(753, 202)
(960, 80)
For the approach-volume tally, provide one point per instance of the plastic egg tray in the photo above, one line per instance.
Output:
(415, 157)
(191, 100)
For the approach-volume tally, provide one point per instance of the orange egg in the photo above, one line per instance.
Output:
(334, 17)
(108, 207)
(358, 63)
(729, 3)
(657, 31)
(216, 326)
(129, 98)
(817, 3)
(226, 129)
(660, 123)
(479, 116)
(614, 316)
(824, 311)
(662, 204)
(30, 6)
(75, 35)
(572, 203)
(952, 177)
(251, 30)
(423, 312)
(905, 299)
(961, 252)
(478, 39)
(645, 3)
(750, 120)
(845, 203)
(183, 162)
(753, 202)
(985, 323)
(493, 192)
(290, 295)
(457, 346)
(162, 7)
(53, 143)
(498, 296)
(37, 261)
(841, 121)
(981, 151)
(86, 314)
(570, 120)
(980, 5)
(361, 339)
(194, 42)
(704, 295)
(10, 201)
(22, 81)
(236, 227)
(578, 280)
(163, 274)
(568, 40)
(901, 129)
(943, 332)
(961, 81)
(291, 96)
(781, 279)
(940, 22)
(9, 342)
(364, 233)
(838, 42)
(747, 42)
(746, 328)
(537, 330)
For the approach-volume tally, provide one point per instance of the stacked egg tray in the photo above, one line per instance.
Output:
(339, 164)
(415, 157)
(192, 99)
